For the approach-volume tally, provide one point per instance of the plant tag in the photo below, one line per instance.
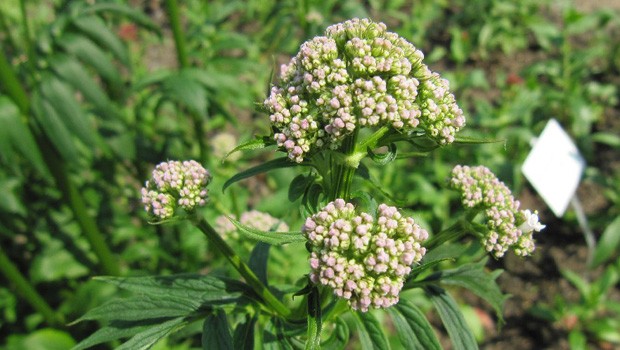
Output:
(554, 167)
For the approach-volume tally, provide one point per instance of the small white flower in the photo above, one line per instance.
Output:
(531, 222)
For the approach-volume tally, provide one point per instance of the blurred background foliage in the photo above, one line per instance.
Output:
(93, 94)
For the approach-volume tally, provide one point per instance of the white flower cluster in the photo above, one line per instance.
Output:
(358, 75)
(507, 226)
(175, 184)
(364, 259)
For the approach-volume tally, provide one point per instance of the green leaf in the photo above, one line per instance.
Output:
(186, 286)
(89, 53)
(135, 16)
(95, 28)
(76, 75)
(243, 337)
(339, 337)
(187, 92)
(315, 323)
(577, 340)
(275, 238)
(607, 138)
(142, 307)
(474, 278)
(54, 128)
(145, 339)
(216, 332)
(370, 331)
(273, 164)
(464, 140)
(452, 318)
(115, 330)
(16, 133)
(254, 144)
(62, 99)
(608, 244)
(298, 186)
(258, 261)
(414, 330)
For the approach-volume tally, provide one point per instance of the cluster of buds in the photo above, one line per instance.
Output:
(364, 259)
(508, 227)
(253, 218)
(175, 184)
(358, 75)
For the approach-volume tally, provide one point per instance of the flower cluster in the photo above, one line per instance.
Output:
(175, 184)
(358, 75)
(507, 225)
(362, 258)
(253, 218)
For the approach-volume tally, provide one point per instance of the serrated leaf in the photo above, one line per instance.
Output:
(54, 129)
(452, 318)
(76, 75)
(315, 322)
(216, 332)
(274, 238)
(339, 337)
(145, 339)
(125, 11)
(62, 99)
(474, 278)
(142, 308)
(414, 330)
(16, 134)
(186, 92)
(278, 163)
(254, 144)
(243, 336)
(116, 330)
(187, 286)
(298, 186)
(370, 332)
(95, 28)
(608, 244)
(89, 53)
(258, 261)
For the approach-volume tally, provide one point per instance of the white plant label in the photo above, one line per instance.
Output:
(554, 167)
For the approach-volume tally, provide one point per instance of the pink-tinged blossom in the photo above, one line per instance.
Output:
(507, 226)
(175, 184)
(369, 262)
(358, 75)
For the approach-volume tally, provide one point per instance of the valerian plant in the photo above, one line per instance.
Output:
(356, 93)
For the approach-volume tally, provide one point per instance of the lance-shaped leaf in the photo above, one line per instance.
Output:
(253, 144)
(607, 244)
(414, 330)
(95, 28)
(315, 322)
(187, 92)
(278, 163)
(452, 318)
(147, 338)
(243, 337)
(339, 337)
(54, 128)
(216, 332)
(460, 139)
(91, 54)
(370, 331)
(258, 261)
(474, 278)
(187, 286)
(274, 238)
(125, 11)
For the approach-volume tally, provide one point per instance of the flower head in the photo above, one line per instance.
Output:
(358, 75)
(507, 227)
(175, 184)
(363, 258)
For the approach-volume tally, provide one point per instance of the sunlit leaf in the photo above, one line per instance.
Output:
(414, 330)
(275, 238)
(608, 244)
(452, 318)
(278, 163)
(370, 332)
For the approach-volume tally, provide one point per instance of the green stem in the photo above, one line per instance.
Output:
(59, 171)
(177, 32)
(344, 172)
(27, 291)
(457, 230)
(243, 269)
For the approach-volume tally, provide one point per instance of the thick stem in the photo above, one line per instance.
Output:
(27, 291)
(57, 167)
(243, 269)
(344, 171)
